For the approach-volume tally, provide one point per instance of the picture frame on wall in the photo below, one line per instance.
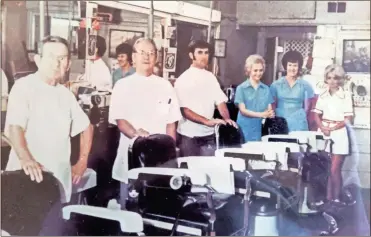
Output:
(356, 56)
(220, 48)
(117, 36)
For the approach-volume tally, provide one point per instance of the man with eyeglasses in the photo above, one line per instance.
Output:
(199, 93)
(42, 115)
(141, 105)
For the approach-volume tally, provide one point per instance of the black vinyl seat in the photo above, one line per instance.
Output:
(228, 137)
(157, 150)
(25, 203)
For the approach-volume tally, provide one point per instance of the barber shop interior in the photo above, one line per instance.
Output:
(185, 118)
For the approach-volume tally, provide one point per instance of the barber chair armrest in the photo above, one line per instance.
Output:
(130, 222)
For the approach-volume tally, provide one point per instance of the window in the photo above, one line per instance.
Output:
(336, 7)
(341, 7)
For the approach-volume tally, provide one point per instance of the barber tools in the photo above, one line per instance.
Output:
(156, 150)
(189, 203)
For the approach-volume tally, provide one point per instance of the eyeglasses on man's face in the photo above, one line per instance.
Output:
(59, 58)
(143, 53)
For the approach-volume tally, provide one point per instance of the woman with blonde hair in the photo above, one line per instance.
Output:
(334, 110)
(253, 99)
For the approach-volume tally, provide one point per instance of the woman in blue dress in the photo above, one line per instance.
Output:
(253, 99)
(292, 94)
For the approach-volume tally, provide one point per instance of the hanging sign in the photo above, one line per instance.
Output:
(170, 60)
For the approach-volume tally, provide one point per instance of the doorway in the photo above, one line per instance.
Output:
(185, 32)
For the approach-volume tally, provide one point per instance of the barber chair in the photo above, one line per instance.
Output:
(189, 207)
(293, 197)
(276, 125)
(317, 144)
(301, 140)
(259, 196)
(157, 150)
(313, 169)
(227, 136)
(88, 181)
(25, 203)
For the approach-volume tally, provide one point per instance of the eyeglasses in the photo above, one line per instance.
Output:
(144, 53)
(60, 58)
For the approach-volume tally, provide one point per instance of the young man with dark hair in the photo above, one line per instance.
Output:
(199, 92)
(124, 57)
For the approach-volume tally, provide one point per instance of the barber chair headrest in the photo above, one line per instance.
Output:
(217, 169)
(254, 158)
(25, 203)
(276, 125)
(314, 138)
(228, 136)
(301, 140)
(152, 151)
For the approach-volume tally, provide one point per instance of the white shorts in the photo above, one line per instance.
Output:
(340, 140)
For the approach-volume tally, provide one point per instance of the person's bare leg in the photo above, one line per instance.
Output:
(337, 181)
(329, 188)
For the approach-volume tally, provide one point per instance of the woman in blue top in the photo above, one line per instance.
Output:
(253, 99)
(292, 94)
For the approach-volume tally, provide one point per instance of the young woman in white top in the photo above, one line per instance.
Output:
(334, 109)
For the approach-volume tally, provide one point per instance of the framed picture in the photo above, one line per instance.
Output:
(117, 37)
(356, 56)
(170, 59)
(220, 47)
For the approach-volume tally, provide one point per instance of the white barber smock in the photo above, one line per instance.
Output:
(149, 103)
(100, 75)
(198, 90)
(334, 108)
(49, 115)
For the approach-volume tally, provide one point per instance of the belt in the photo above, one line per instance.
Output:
(330, 121)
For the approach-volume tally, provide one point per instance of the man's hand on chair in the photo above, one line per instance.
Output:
(78, 171)
(213, 122)
(141, 133)
(231, 122)
(32, 168)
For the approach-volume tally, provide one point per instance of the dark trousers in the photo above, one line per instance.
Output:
(196, 146)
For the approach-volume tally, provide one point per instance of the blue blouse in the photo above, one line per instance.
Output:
(256, 100)
(290, 102)
(118, 74)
